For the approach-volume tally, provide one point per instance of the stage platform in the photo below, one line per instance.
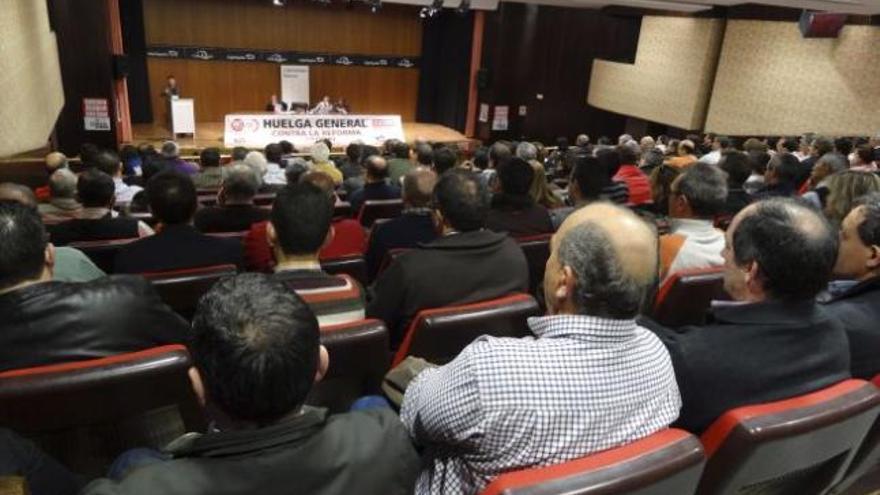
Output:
(211, 134)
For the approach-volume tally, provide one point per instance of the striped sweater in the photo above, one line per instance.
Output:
(335, 299)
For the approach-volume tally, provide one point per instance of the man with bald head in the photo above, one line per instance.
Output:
(62, 203)
(773, 342)
(414, 226)
(376, 186)
(54, 161)
(589, 380)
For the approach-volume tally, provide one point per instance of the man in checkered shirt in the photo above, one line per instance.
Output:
(590, 379)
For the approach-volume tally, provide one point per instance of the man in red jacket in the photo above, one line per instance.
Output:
(635, 179)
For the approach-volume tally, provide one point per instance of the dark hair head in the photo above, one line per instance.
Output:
(172, 197)
(400, 150)
(705, 188)
(239, 153)
(128, 152)
(562, 143)
(107, 161)
(273, 153)
(256, 345)
(481, 157)
(843, 145)
(589, 176)
(628, 154)
(425, 155)
(87, 154)
(95, 189)
(787, 169)
(499, 153)
(22, 244)
(610, 161)
(724, 141)
(793, 245)
(737, 166)
(603, 141)
(286, 147)
(444, 159)
(353, 152)
(210, 157)
(865, 153)
(869, 229)
(758, 162)
(418, 187)
(790, 144)
(823, 145)
(515, 176)
(301, 216)
(661, 179)
(462, 199)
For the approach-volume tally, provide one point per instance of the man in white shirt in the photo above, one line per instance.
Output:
(108, 162)
(589, 380)
(719, 145)
(323, 107)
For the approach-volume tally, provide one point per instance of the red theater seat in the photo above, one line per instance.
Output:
(102, 253)
(353, 266)
(668, 462)
(86, 413)
(537, 251)
(359, 359)
(438, 335)
(182, 289)
(375, 209)
(801, 445)
(684, 297)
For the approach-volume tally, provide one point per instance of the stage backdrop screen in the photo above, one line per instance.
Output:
(295, 84)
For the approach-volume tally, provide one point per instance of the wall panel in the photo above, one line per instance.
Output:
(227, 87)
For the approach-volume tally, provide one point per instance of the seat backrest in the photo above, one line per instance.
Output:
(438, 335)
(86, 413)
(102, 253)
(374, 209)
(237, 235)
(684, 297)
(182, 289)
(866, 462)
(536, 250)
(800, 445)
(353, 266)
(359, 359)
(342, 209)
(389, 258)
(665, 463)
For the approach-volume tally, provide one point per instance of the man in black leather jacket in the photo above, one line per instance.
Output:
(855, 299)
(45, 322)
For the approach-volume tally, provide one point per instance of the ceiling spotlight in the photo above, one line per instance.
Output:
(464, 7)
(279, 3)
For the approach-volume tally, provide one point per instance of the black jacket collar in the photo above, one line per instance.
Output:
(466, 240)
(767, 313)
(858, 289)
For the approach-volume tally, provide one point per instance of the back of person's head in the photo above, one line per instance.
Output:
(527, 151)
(400, 150)
(301, 217)
(481, 157)
(602, 262)
(603, 141)
(377, 168)
(107, 161)
(624, 138)
(87, 154)
(240, 183)
(755, 144)
(95, 189)
(737, 167)
(10, 191)
(786, 169)
(62, 184)
(499, 153)
(581, 141)
(610, 161)
(238, 153)
(822, 145)
(55, 160)
(353, 152)
(515, 177)
(273, 153)
(843, 145)
(463, 200)
(320, 152)
(704, 187)
(686, 147)
(652, 159)
(833, 162)
(787, 245)
(864, 154)
(210, 157)
(425, 154)
(368, 151)
(758, 162)
(286, 147)
(445, 158)
(724, 142)
(322, 180)
(629, 152)
(256, 345)
(661, 180)
(418, 187)
(172, 197)
(295, 169)
(562, 143)
(789, 144)
(170, 149)
(845, 188)
(22, 244)
(589, 176)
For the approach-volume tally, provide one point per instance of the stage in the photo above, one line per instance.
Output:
(211, 134)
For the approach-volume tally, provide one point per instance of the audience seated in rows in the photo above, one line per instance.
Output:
(211, 174)
(467, 263)
(53, 162)
(351, 165)
(817, 185)
(773, 341)
(591, 378)
(819, 147)
(738, 169)
(299, 227)
(177, 244)
(684, 155)
(615, 190)
(108, 162)
(854, 299)
(274, 175)
(585, 186)
(445, 158)
(413, 227)
(348, 235)
(758, 164)
(47, 322)
(636, 181)
(399, 162)
(719, 145)
(376, 186)
(696, 196)
(62, 203)
(781, 178)
(71, 265)
(513, 209)
(97, 220)
(256, 350)
(170, 160)
(235, 210)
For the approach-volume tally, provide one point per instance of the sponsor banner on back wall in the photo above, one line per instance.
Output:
(280, 57)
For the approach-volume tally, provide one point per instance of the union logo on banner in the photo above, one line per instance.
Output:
(237, 125)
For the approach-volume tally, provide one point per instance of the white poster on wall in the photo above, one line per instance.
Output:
(295, 84)
(499, 121)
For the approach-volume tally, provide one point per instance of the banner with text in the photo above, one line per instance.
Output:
(295, 84)
(258, 130)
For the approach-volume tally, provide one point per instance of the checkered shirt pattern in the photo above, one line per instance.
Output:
(584, 384)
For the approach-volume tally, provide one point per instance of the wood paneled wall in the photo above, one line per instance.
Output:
(227, 87)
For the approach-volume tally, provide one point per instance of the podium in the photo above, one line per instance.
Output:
(183, 116)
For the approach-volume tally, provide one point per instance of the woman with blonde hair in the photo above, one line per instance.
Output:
(844, 189)
(540, 191)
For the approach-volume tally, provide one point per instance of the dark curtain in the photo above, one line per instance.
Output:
(445, 69)
(134, 40)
